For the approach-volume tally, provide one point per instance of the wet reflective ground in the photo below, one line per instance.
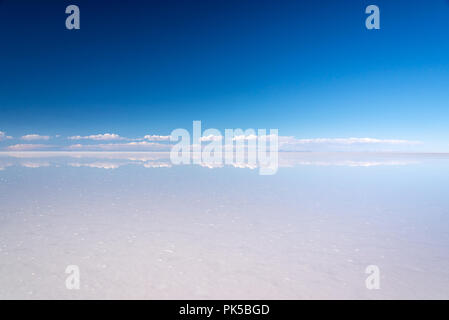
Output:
(139, 227)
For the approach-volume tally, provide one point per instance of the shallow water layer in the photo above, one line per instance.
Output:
(137, 226)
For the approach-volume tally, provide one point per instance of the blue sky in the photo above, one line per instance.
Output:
(310, 69)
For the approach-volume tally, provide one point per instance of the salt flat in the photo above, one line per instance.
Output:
(139, 227)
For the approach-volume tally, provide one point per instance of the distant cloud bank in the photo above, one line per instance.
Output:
(28, 147)
(346, 144)
(154, 142)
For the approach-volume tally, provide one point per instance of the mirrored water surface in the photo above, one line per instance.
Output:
(139, 227)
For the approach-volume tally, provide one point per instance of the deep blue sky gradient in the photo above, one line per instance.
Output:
(309, 68)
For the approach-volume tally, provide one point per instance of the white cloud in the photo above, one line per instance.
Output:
(3, 136)
(150, 137)
(159, 143)
(33, 137)
(98, 137)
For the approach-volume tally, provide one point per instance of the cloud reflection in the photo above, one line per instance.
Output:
(115, 160)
